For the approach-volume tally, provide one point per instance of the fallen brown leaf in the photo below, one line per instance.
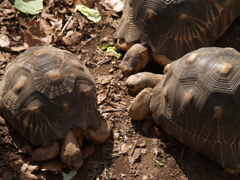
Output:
(2, 58)
(38, 33)
(103, 79)
(4, 41)
(88, 3)
(72, 38)
(18, 48)
(116, 5)
(136, 154)
(124, 148)
(102, 96)
(27, 170)
(53, 165)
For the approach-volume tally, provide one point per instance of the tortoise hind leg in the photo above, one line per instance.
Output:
(100, 134)
(70, 151)
(46, 153)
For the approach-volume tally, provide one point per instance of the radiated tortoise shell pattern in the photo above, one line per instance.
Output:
(176, 27)
(198, 103)
(45, 92)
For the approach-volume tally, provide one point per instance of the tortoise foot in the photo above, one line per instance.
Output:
(232, 171)
(136, 58)
(123, 45)
(139, 81)
(46, 153)
(141, 104)
(100, 134)
(71, 153)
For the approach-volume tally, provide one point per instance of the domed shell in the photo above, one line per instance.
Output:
(198, 103)
(46, 91)
(176, 27)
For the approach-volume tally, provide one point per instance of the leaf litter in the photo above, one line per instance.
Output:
(132, 151)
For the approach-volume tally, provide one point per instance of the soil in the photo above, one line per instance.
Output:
(136, 149)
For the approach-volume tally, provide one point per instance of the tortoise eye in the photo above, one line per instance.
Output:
(130, 2)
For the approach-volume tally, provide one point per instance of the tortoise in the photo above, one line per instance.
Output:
(48, 96)
(165, 30)
(198, 103)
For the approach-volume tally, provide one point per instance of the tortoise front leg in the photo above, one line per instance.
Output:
(140, 106)
(136, 58)
(70, 151)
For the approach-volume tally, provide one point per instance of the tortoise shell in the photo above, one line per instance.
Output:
(198, 103)
(176, 27)
(45, 92)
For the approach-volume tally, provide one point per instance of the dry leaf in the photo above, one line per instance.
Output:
(18, 48)
(88, 3)
(72, 38)
(143, 150)
(53, 165)
(143, 144)
(4, 41)
(102, 96)
(39, 33)
(27, 170)
(136, 154)
(104, 79)
(2, 58)
(155, 151)
(116, 5)
(124, 148)
(33, 40)
(22, 22)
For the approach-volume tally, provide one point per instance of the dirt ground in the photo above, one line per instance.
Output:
(135, 150)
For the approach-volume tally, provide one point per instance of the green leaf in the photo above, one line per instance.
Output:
(111, 49)
(118, 55)
(70, 175)
(159, 163)
(32, 7)
(105, 47)
(91, 14)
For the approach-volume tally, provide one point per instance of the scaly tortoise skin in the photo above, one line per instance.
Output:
(45, 92)
(198, 102)
(176, 27)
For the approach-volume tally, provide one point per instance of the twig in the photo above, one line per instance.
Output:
(132, 150)
(105, 170)
(140, 168)
(65, 26)
(98, 52)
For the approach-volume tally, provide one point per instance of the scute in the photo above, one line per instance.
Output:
(43, 95)
(176, 27)
(201, 109)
